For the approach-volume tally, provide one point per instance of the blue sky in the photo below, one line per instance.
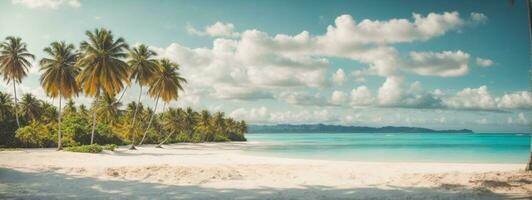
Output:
(436, 64)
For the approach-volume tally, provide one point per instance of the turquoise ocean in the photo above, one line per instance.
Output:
(395, 147)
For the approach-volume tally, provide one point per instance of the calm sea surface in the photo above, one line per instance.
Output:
(399, 147)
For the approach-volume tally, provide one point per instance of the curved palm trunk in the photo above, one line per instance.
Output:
(151, 119)
(134, 120)
(124, 92)
(59, 145)
(16, 103)
(164, 141)
(94, 120)
(529, 5)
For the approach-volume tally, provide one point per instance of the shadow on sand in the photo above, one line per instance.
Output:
(16, 184)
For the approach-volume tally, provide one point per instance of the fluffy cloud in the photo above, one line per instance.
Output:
(361, 96)
(338, 97)
(484, 62)
(245, 67)
(53, 4)
(347, 30)
(263, 115)
(481, 99)
(447, 63)
(302, 98)
(339, 77)
(218, 29)
(478, 18)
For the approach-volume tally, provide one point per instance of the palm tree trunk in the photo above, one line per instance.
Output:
(132, 129)
(124, 92)
(164, 141)
(59, 145)
(15, 95)
(529, 5)
(94, 119)
(151, 119)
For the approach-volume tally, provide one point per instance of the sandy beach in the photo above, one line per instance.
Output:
(223, 171)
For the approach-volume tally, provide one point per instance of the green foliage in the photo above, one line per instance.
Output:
(93, 148)
(66, 70)
(110, 147)
(36, 135)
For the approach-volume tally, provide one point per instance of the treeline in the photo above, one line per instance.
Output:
(101, 68)
(39, 124)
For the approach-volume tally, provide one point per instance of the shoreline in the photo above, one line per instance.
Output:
(205, 171)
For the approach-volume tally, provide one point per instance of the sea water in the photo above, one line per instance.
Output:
(395, 147)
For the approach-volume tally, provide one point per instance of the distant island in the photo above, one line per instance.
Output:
(324, 128)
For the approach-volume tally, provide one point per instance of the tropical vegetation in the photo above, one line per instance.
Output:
(101, 68)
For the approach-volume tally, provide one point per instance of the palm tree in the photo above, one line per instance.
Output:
(70, 107)
(204, 125)
(108, 109)
(174, 121)
(5, 105)
(142, 69)
(103, 70)
(59, 76)
(14, 64)
(30, 107)
(166, 84)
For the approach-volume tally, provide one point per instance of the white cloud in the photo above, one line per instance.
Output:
(520, 119)
(472, 98)
(338, 97)
(218, 29)
(390, 92)
(361, 96)
(444, 64)
(53, 4)
(302, 98)
(484, 62)
(481, 99)
(478, 18)
(515, 100)
(347, 30)
(253, 115)
(263, 115)
(339, 77)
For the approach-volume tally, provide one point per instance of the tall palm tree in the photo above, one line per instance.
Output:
(58, 77)
(5, 105)
(103, 70)
(142, 69)
(14, 64)
(166, 84)
(30, 107)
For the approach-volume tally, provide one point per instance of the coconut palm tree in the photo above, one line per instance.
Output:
(103, 70)
(14, 64)
(70, 107)
(107, 109)
(58, 77)
(30, 107)
(174, 121)
(142, 69)
(166, 85)
(5, 105)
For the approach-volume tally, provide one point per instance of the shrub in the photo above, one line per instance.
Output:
(36, 135)
(220, 138)
(110, 147)
(93, 148)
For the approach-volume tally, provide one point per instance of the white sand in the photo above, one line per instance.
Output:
(222, 171)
